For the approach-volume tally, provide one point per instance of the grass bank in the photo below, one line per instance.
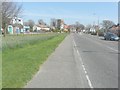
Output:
(19, 41)
(20, 64)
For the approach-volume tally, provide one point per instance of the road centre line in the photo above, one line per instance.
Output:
(83, 66)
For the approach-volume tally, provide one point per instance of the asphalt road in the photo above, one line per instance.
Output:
(99, 58)
(80, 61)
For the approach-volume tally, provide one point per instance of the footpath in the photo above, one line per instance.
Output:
(60, 70)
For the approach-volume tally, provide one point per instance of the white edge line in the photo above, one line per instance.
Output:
(87, 77)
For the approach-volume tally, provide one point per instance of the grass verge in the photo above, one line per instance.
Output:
(20, 64)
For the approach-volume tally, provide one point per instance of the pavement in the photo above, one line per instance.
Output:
(80, 61)
(61, 70)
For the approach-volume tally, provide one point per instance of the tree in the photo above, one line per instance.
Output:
(107, 24)
(26, 23)
(41, 22)
(82, 27)
(88, 27)
(53, 22)
(0, 16)
(31, 23)
(79, 26)
(9, 10)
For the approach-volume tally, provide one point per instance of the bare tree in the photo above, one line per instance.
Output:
(82, 27)
(9, 10)
(53, 22)
(79, 26)
(88, 27)
(41, 22)
(0, 15)
(26, 23)
(107, 24)
(31, 23)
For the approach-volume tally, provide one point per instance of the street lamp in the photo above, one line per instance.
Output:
(97, 21)
(97, 18)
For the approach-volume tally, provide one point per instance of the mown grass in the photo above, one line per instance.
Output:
(20, 64)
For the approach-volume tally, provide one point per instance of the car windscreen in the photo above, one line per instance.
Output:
(113, 35)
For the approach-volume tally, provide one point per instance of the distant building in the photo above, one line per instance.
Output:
(26, 29)
(60, 24)
(10, 29)
(115, 29)
(16, 20)
(39, 28)
(15, 26)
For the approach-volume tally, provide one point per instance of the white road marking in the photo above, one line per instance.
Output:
(90, 84)
(104, 45)
(112, 49)
(80, 33)
(83, 66)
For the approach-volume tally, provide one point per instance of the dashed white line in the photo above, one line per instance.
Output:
(89, 82)
(83, 66)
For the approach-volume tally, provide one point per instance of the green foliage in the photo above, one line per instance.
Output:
(101, 32)
(56, 30)
(21, 62)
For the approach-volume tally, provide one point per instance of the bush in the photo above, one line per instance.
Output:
(101, 32)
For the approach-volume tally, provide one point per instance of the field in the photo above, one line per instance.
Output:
(22, 56)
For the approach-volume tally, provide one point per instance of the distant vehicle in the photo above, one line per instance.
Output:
(74, 31)
(93, 31)
(84, 31)
(111, 36)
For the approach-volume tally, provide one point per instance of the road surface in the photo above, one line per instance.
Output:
(80, 61)
(99, 58)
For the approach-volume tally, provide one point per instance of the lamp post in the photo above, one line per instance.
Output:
(97, 21)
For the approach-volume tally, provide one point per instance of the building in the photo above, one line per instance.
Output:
(115, 29)
(15, 26)
(16, 20)
(60, 24)
(26, 29)
(39, 28)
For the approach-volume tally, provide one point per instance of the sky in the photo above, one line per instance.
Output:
(70, 12)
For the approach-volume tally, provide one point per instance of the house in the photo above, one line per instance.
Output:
(115, 29)
(16, 20)
(15, 26)
(25, 29)
(60, 24)
(38, 28)
(66, 28)
(10, 29)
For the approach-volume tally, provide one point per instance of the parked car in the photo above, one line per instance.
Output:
(111, 36)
